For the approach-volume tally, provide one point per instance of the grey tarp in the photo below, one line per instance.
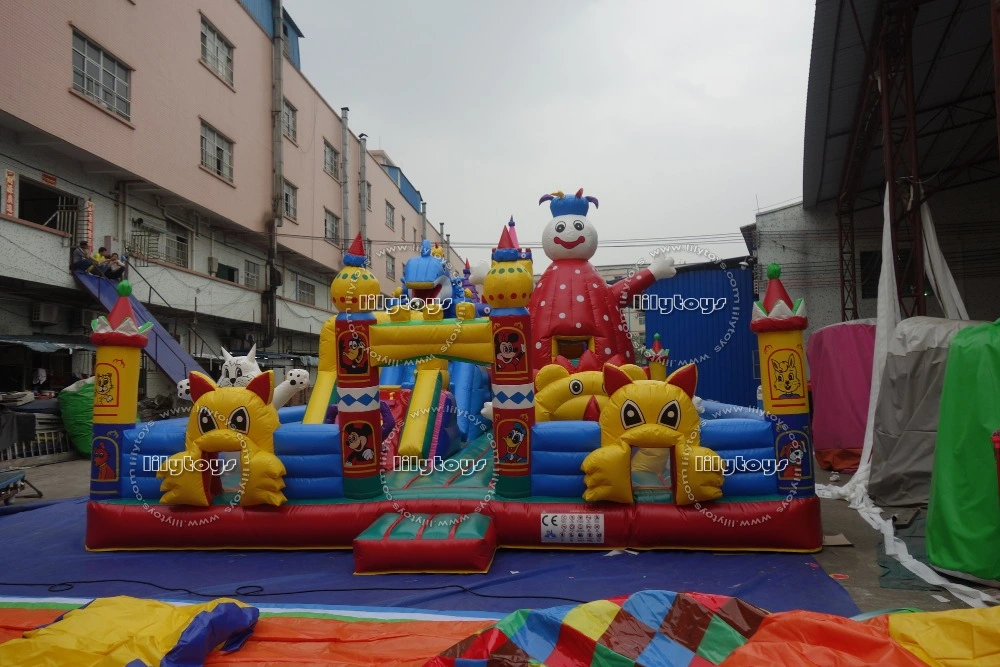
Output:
(906, 418)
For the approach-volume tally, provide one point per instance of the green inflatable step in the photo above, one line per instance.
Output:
(963, 517)
(407, 542)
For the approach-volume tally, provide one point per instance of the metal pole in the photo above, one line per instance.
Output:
(345, 181)
(365, 194)
(423, 221)
(916, 260)
(995, 21)
(269, 297)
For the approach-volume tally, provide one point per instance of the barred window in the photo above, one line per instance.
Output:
(306, 293)
(216, 51)
(291, 200)
(390, 216)
(332, 227)
(216, 152)
(288, 121)
(101, 77)
(251, 274)
(331, 160)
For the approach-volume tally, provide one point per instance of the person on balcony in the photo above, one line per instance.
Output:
(115, 269)
(82, 261)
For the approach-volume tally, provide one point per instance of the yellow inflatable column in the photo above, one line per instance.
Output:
(778, 323)
(119, 341)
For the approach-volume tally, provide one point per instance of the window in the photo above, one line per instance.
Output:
(871, 268)
(288, 119)
(390, 216)
(390, 266)
(365, 196)
(414, 234)
(332, 227)
(216, 152)
(251, 274)
(230, 273)
(101, 77)
(402, 226)
(291, 200)
(216, 51)
(306, 292)
(331, 160)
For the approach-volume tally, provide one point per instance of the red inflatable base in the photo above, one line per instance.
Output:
(792, 525)
(426, 543)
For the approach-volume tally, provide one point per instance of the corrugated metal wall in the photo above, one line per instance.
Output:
(261, 11)
(703, 316)
(410, 193)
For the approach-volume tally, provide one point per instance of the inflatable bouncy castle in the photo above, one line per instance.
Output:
(580, 446)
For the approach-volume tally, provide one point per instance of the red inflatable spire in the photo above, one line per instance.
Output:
(357, 246)
(123, 306)
(592, 412)
(513, 232)
(505, 240)
(775, 290)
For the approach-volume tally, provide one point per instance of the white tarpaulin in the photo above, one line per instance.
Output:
(856, 490)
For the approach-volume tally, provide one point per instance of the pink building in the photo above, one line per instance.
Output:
(146, 127)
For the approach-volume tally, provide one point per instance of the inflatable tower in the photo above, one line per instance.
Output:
(779, 323)
(119, 341)
(656, 357)
(507, 289)
(355, 292)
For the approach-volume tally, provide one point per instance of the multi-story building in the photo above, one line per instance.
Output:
(184, 135)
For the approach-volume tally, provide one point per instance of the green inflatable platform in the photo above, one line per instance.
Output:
(963, 521)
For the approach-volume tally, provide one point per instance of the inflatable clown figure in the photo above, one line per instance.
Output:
(572, 308)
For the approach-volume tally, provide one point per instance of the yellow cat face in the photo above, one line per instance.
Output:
(561, 396)
(649, 413)
(226, 419)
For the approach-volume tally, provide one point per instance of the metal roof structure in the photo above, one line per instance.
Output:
(900, 93)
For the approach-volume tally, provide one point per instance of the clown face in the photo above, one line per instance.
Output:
(569, 237)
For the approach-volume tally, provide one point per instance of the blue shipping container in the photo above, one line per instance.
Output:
(703, 316)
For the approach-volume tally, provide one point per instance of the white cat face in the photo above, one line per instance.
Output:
(238, 371)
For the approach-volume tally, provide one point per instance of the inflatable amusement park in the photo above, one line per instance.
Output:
(485, 411)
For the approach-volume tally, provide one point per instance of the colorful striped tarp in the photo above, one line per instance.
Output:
(651, 628)
(648, 628)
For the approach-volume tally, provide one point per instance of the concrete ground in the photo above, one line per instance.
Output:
(857, 562)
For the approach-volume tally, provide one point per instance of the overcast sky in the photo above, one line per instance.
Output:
(678, 116)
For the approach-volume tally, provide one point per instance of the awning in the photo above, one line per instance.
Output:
(44, 344)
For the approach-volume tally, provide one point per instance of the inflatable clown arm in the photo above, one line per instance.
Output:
(296, 380)
(637, 283)
(663, 267)
(478, 275)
